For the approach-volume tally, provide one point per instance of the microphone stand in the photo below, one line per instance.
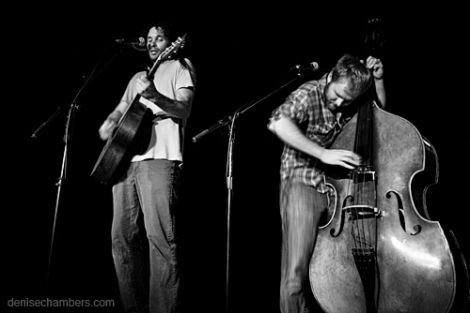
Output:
(67, 141)
(230, 121)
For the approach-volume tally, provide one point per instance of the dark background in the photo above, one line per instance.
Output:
(241, 53)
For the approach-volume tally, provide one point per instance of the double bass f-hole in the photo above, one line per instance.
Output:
(401, 213)
(354, 210)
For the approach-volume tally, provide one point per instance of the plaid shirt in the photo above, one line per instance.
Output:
(307, 108)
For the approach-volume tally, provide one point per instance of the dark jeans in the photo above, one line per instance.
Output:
(144, 203)
(301, 209)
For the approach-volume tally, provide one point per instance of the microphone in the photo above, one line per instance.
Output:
(310, 67)
(136, 43)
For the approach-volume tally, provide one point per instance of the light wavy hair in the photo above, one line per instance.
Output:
(358, 76)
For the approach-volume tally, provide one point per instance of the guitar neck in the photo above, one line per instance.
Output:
(153, 69)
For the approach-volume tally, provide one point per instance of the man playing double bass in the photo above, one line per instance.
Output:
(308, 122)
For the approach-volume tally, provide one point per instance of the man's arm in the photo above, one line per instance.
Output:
(179, 108)
(377, 68)
(106, 129)
(380, 90)
(290, 134)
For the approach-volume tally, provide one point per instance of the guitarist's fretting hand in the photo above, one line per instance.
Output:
(142, 83)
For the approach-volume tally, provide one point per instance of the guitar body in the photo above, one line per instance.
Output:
(130, 137)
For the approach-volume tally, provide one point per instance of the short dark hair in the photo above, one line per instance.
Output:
(169, 28)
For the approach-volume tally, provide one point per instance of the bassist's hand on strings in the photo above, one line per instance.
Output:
(344, 158)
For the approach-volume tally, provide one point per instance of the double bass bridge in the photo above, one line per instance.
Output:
(361, 211)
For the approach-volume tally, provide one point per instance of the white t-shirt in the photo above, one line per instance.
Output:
(167, 136)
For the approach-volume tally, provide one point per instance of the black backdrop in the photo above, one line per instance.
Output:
(241, 54)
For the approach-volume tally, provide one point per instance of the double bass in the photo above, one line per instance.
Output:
(380, 251)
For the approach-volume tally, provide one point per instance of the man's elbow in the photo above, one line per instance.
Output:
(272, 126)
(184, 109)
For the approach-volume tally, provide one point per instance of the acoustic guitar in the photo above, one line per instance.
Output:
(132, 133)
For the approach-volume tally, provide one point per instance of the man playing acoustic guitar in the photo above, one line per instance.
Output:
(146, 193)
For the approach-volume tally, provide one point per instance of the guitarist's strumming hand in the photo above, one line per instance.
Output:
(108, 126)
